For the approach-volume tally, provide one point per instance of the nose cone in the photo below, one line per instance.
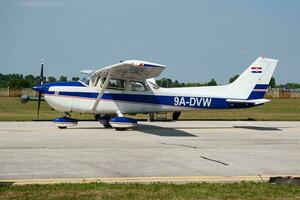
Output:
(39, 88)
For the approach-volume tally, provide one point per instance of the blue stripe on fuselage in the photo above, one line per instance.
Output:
(192, 102)
(73, 83)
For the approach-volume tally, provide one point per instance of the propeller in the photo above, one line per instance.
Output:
(41, 83)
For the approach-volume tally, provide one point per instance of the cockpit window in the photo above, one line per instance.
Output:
(154, 85)
(116, 84)
(85, 80)
(137, 86)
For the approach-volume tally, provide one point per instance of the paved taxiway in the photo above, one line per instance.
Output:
(39, 150)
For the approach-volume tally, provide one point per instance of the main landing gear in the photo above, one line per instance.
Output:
(122, 123)
(119, 122)
(104, 120)
(64, 122)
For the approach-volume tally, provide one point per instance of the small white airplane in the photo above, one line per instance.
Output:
(129, 87)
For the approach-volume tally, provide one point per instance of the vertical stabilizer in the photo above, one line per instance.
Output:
(253, 82)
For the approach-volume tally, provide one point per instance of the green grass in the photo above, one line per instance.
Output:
(278, 109)
(11, 109)
(253, 191)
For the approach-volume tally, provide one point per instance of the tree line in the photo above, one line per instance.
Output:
(21, 81)
(169, 83)
(166, 82)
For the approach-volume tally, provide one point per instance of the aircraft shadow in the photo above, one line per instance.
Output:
(162, 131)
(259, 128)
(96, 127)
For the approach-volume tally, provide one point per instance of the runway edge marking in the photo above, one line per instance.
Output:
(168, 179)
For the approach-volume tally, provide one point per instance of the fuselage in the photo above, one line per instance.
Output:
(80, 97)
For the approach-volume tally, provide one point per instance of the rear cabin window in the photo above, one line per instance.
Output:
(116, 84)
(137, 86)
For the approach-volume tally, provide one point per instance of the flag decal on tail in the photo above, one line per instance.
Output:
(256, 69)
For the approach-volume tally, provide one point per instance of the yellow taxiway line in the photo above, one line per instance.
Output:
(162, 179)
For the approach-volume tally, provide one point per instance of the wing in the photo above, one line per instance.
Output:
(132, 69)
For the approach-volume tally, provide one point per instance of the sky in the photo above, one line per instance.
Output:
(196, 39)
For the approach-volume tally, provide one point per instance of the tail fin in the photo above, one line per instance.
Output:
(253, 83)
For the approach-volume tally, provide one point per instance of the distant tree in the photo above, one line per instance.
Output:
(176, 83)
(3, 81)
(272, 82)
(30, 78)
(164, 82)
(292, 85)
(279, 86)
(169, 83)
(18, 83)
(51, 79)
(63, 78)
(75, 79)
(38, 80)
(158, 82)
(212, 82)
(233, 78)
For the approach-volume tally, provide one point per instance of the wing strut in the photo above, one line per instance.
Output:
(101, 92)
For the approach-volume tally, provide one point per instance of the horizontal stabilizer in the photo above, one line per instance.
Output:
(253, 101)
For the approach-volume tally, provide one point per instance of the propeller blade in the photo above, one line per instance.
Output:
(42, 73)
(39, 105)
(40, 94)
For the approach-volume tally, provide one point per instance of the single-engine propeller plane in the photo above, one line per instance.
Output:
(129, 87)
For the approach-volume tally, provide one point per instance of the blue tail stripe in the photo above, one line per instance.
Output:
(261, 86)
(258, 94)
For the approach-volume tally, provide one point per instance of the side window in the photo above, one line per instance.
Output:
(116, 84)
(137, 86)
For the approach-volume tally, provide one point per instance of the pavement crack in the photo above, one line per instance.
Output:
(180, 145)
(217, 161)
(193, 147)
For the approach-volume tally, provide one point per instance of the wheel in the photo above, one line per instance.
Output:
(62, 127)
(120, 129)
(176, 115)
(104, 120)
(107, 126)
(96, 117)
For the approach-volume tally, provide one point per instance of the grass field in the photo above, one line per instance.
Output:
(232, 191)
(278, 109)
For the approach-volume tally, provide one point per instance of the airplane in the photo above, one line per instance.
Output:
(129, 87)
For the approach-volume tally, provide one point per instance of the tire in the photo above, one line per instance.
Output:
(107, 125)
(96, 117)
(62, 127)
(176, 115)
(120, 129)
